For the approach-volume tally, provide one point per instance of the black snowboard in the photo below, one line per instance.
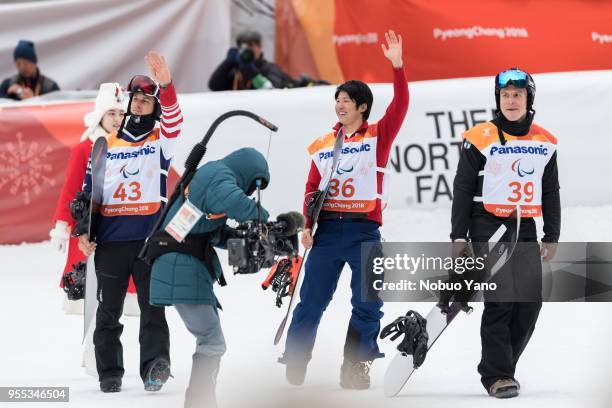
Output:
(98, 168)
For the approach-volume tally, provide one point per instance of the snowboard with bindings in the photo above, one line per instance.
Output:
(317, 205)
(501, 245)
(98, 168)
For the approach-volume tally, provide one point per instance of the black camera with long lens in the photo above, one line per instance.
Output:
(257, 244)
(246, 53)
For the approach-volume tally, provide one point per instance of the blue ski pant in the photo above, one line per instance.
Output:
(336, 242)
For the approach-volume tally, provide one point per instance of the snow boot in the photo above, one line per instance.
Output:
(295, 371)
(355, 375)
(504, 388)
(157, 374)
(111, 384)
(201, 391)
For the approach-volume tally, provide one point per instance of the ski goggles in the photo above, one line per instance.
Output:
(145, 85)
(515, 77)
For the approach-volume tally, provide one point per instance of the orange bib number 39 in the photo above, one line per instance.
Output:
(513, 176)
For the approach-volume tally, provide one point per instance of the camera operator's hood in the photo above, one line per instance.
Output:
(248, 165)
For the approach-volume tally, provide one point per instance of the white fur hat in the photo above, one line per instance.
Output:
(110, 96)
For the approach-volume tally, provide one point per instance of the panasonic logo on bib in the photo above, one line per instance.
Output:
(541, 150)
(144, 151)
(346, 150)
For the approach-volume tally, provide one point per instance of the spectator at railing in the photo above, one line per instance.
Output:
(28, 81)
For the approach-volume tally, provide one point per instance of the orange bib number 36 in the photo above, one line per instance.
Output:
(353, 183)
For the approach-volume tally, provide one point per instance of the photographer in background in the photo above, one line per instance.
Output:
(246, 68)
(184, 272)
(28, 81)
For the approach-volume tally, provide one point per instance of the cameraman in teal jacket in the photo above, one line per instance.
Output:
(221, 190)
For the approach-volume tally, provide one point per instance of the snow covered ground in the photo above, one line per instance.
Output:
(567, 363)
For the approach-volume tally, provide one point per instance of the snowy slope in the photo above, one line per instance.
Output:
(565, 365)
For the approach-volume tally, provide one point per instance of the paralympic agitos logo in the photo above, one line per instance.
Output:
(125, 173)
(341, 171)
(516, 166)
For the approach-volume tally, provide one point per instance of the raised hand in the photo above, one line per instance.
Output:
(393, 50)
(158, 67)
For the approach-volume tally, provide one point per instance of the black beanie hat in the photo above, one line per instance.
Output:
(25, 50)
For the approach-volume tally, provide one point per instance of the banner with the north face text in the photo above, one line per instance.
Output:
(575, 107)
(340, 40)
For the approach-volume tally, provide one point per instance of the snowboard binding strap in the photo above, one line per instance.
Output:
(282, 278)
(414, 328)
(74, 281)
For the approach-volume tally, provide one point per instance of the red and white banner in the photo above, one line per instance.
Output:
(574, 107)
(340, 40)
(35, 144)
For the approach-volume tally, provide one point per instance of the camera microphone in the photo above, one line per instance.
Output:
(290, 222)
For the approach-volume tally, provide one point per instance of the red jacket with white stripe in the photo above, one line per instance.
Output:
(385, 129)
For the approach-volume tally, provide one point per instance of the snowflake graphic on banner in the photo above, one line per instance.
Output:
(23, 166)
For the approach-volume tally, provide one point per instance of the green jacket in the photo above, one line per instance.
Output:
(218, 187)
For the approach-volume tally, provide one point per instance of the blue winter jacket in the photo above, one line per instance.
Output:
(218, 187)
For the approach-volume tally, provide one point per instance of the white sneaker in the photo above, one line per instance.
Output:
(73, 307)
(130, 305)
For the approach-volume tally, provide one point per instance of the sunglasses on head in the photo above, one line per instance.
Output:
(143, 84)
(514, 77)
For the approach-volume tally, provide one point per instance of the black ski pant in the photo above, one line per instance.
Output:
(507, 325)
(115, 262)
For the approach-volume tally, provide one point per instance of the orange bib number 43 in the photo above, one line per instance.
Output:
(130, 192)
